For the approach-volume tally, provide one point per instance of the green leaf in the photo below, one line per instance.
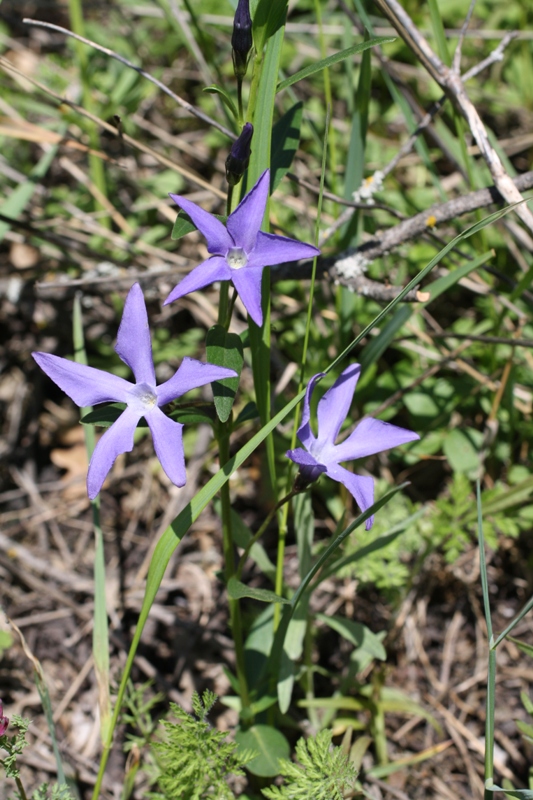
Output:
(215, 89)
(237, 590)
(285, 141)
(269, 744)
(225, 350)
(247, 413)
(193, 413)
(525, 648)
(394, 701)
(104, 416)
(334, 59)
(357, 634)
(461, 448)
(184, 224)
(268, 18)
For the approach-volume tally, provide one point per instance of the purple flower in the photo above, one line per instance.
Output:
(88, 386)
(321, 454)
(4, 721)
(240, 251)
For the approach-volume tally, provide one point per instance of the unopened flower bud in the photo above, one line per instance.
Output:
(241, 39)
(239, 155)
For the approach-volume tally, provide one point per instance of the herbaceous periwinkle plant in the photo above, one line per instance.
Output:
(242, 249)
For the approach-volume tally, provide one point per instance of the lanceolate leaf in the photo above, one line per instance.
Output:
(225, 350)
(214, 89)
(236, 590)
(285, 141)
(269, 744)
(184, 224)
(334, 59)
(268, 17)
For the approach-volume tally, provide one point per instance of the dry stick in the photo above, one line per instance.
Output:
(179, 100)
(456, 63)
(347, 268)
(452, 85)
(405, 149)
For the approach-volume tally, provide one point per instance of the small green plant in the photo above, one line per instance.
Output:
(324, 772)
(195, 760)
(14, 745)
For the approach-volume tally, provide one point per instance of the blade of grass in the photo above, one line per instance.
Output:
(491, 678)
(334, 59)
(100, 625)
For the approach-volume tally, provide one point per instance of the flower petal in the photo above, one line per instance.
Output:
(168, 445)
(134, 345)
(85, 385)
(333, 407)
(190, 375)
(372, 436)
(248, 284)
(214, 269)
(360, 487)
(310, 469)
(116, 440)
(218, 239)
(271, 249)
(246, 220)
(305, 434)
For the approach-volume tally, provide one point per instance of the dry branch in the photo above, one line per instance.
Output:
(450, 82)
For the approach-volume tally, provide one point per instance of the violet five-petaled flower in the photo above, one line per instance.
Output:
(320, 454)
(88, 386)
(240, 250)
(4, 721)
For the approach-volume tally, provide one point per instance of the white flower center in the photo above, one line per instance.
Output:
(145, 396)
(236, 257)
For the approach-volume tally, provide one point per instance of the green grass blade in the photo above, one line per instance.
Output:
(334, 59)
(100, 624)
(491, 678)
(521, 614)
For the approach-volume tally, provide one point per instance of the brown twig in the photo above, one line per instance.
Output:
(347, 269)
(451, 83)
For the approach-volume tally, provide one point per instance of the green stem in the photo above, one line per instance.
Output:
(282, 538)
(239, 99)
(229, 569)
(491, 677)
(100, 624)
(223, 430)
(20, 787)
(263, 528)
(254, 86)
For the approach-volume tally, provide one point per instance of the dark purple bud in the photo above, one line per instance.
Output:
(307, 475)
(4, 721)
(239, 155)
(241, 39)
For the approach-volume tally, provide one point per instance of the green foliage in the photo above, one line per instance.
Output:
(324, 772)
(14, 745)
(194, 760)
(53, 792)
